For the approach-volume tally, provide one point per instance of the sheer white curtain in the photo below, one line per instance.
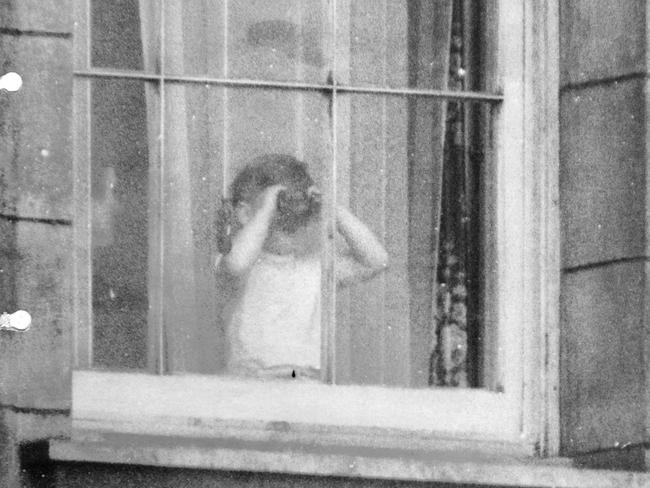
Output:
(391, 153)
(181, 218)
(209, 132)
(390, 159)
(433, 41)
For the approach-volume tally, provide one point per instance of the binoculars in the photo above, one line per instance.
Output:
(296, 208)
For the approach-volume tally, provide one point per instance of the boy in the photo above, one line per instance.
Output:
(272, 269)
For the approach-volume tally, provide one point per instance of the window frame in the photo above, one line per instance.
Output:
(523, 409)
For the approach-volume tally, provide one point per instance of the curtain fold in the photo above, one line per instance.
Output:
(185, 301)
(185, 307)
(390, 173)
(450, 338)
(431, 47)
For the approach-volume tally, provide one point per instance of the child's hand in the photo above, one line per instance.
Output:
(270, 197)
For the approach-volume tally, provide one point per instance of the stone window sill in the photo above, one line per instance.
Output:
(369, 463)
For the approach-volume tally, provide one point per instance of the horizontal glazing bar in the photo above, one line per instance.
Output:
(443, 94)
(127, 75)
(446, 94)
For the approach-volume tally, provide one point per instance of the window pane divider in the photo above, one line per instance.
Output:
(284, 85)
(328, 311)
(158, 327)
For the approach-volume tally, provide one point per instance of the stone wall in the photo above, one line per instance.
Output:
(604, 212)
(35, 228)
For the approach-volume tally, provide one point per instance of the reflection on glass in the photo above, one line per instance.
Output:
(119, 176)
(124, 34)
(400, 43)
(234, 322)
(411, 169)
(279, 40)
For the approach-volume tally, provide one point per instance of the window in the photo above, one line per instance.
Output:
(413, 114)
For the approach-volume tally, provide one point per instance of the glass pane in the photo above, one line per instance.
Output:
(278, 121)
(211, 134)
(278, 40)
(412, 171)
(195, 37)
(125, 34)
(192, 184)
(119, 194)
(427, 44)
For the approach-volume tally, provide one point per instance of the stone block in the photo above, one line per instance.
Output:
(37, 15)
(602, 359)
(603, 173)
(601, 39)
(37, 362)
(35, 128)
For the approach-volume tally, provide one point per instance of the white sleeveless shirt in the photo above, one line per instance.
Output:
(275, 320)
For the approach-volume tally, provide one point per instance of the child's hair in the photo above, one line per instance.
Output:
(268, 170)
(296, 205)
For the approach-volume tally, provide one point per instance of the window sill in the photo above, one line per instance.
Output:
(371, 463)
(189, 406)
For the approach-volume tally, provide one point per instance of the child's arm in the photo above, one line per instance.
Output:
(247, 243)
(367, 256)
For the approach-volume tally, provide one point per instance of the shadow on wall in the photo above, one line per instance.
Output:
(37, 471)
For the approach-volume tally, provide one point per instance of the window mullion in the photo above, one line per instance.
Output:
(328, 329)
(156, 361)
(225, 169)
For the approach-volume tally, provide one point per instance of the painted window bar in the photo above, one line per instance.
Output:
(469, 96)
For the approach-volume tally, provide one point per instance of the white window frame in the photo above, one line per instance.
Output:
(522, 418)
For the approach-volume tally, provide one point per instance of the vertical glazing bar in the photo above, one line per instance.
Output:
(82, 262)
(299, 72)
(162, 363)
(225, 102)
(154, 50)
(328, 328)
(385, 348)
(151, 26)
